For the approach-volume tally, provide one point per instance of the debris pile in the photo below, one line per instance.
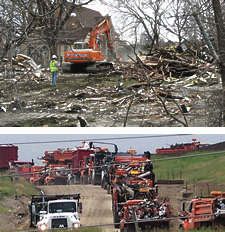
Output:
(109, 99)
(23, 68)
(168, 66)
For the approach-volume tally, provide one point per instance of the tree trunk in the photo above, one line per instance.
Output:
(220, 26)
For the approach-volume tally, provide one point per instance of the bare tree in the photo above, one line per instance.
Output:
(52, 17)
(141, 16)
(220, 26)
(19, 19)
(176, 21)
(14, 24)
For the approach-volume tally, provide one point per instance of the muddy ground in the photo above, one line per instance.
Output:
(107, 100)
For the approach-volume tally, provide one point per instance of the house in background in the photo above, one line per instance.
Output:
(77, 29)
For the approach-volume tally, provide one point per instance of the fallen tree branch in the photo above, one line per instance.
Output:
(160, 99)
(128, 109)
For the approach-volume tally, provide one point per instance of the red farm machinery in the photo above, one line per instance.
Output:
(89, 163)
(8, 154)
(181, 147)
(134, 194)
(204, 212)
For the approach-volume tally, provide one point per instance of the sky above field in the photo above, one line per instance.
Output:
(34, 144)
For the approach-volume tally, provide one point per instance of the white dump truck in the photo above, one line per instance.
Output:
(55, 211)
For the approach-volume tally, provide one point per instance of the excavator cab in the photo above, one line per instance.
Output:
(80, 45)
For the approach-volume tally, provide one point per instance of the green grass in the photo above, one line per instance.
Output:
(20, 187)
(208, 168)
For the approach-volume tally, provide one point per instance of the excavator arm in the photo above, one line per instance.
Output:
(103, 27)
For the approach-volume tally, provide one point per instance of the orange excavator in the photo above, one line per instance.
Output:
(85, 57)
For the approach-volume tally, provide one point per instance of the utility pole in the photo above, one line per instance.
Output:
(205, 35)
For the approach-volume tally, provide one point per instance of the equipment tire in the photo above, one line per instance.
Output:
(116, 219)
(108, 189)
(181, 227)
(129, 228)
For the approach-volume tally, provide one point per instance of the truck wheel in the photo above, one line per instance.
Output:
(181, 227)
(89, 179)
(166, 227)
(93, 181)
(74, 179)
(129, 228)
(108, 188)
(116, 219)
(102, 183)
(97, 179)
(85, 179)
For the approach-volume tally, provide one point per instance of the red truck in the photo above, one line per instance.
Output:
(89, 162)
(80, 164)
(8, 154)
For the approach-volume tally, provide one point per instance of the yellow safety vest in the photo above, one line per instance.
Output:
(53, 66)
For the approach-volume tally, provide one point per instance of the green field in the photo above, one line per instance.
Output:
(208, 168)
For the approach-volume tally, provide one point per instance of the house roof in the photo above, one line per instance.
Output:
(81, 22)
(87, 17)
(74, 35)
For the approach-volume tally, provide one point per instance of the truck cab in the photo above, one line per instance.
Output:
(55, 211)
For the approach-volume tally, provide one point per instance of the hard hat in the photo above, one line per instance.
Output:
(54, 57)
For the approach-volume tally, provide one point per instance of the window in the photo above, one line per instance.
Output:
(66, 48)
(59, 207)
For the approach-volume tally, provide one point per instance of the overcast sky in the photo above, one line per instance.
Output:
(33, 151)
(96, 5)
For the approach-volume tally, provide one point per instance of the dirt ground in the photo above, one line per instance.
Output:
(105, 100)
(17, 215)
(97, 204)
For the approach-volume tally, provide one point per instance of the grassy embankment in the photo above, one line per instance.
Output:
(202, 170)
(11, 188)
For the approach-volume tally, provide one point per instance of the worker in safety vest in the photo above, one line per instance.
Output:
(54, 68)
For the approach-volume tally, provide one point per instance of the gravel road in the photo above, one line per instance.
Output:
(96, 203)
